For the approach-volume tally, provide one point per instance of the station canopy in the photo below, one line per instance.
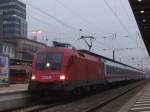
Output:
(141, 10)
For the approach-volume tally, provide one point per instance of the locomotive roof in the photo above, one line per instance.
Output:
(91, 53)
(58, 48)
(97, 55)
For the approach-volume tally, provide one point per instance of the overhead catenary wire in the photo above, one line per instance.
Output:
(79, 16)
(118, 18)
(41, 21)
(116, 15)
(57, 20)
(76, 29)
(50, 16)
(128, 16)
(100, 44)
(48, 23)
(61, 22)
(54, 18)
(139, 45)
(73, 12)
(130, 19)
(126, 12)
(107, 45)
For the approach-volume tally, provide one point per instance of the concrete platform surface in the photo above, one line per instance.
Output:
(14, 88)
(140, 102)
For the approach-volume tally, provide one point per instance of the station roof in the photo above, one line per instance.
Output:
(141, 10)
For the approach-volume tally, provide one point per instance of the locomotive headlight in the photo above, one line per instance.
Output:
(48, 65)
(62, 77)
(33, 77)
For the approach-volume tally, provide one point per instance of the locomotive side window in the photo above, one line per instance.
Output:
(71, 61)
(53, 59)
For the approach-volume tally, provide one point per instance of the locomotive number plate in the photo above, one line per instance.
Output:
(46, 77)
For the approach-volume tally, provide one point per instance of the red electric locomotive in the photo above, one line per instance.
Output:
(65, 69)
(62, 68)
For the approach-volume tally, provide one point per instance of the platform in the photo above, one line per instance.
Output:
(14, 88)
(140, 102)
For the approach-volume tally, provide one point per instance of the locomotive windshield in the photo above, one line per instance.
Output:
(53, 59)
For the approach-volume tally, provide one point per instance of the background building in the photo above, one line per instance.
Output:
(8, 48)
(13, 19)
(13, 31)
(19, 48)
(26, 48)
(1, 23)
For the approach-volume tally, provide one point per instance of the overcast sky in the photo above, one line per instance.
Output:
(62, 20)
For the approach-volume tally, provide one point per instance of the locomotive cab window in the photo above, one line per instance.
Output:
(54, 59)
(49, 61)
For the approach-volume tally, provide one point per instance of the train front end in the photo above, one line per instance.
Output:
(48, 71)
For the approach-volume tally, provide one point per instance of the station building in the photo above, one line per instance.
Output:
(13, 31)
(6, 47)
(20, 48)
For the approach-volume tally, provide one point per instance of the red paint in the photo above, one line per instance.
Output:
(18, 74)
(85, 67)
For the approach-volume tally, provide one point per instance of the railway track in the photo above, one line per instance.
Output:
(110, 99)
(107, 101)
(96, 102)
(85, 104)
(36, 108)
(42, 104)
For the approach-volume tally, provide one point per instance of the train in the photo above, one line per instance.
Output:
(19, 71)
(19, 74)
(67, 69)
